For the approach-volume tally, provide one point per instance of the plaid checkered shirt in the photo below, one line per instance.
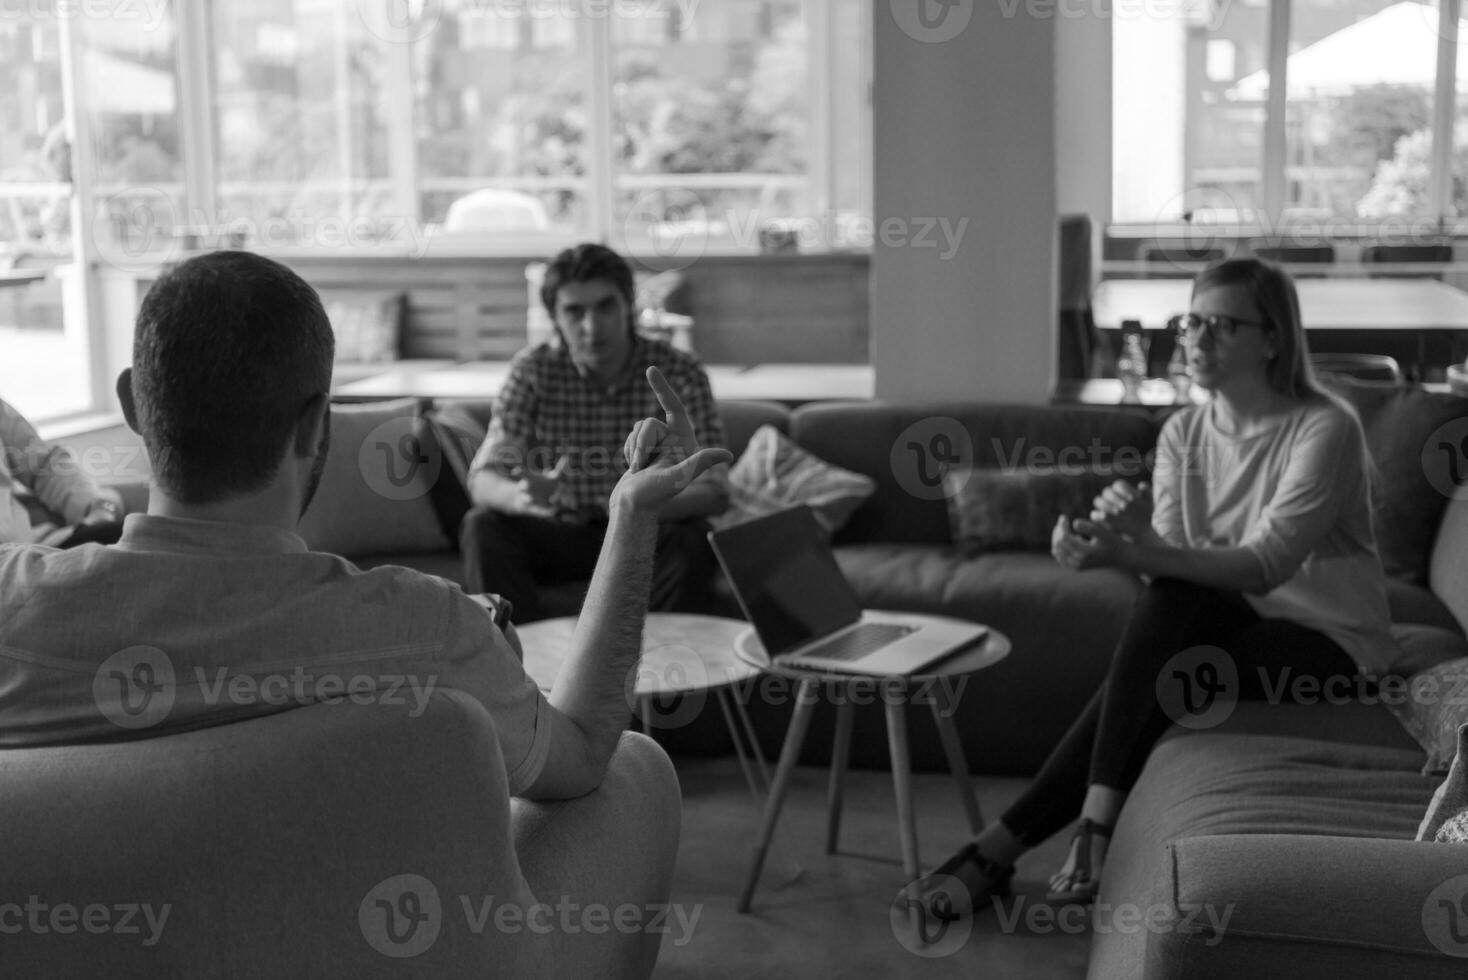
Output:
(548, 409)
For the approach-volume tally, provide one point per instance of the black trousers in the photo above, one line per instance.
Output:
(516, 555)
(1157, 678)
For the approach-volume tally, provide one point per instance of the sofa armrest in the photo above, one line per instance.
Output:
(1304, 906)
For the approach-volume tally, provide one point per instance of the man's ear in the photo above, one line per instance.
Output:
(311, 427)
(125, 397)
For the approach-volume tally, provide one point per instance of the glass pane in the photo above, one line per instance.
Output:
(1188, 127)
(711, 126)
(302, 138)
(1359, 112)
(501, 115)
(128, 79)
(41, 374)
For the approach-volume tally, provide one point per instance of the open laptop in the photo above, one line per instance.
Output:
(806, 613)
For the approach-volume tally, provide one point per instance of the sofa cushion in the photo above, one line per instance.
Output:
(367, 324)
(1450, 802)
(774, 474)
(1239, 778)
(907, 448)
(1433, 707)
(376, 489)
(997, 509)
(1448, 567)
(1414, 472)
(1410, 603)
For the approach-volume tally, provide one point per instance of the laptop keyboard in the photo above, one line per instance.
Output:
(857, 643)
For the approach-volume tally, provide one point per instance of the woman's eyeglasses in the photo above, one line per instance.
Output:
(1190, 326)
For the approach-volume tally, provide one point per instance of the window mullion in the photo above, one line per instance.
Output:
(1275, 114)
(400, 105)
(596, 35)
(821, 180)
(196, 112)
(1444, 108)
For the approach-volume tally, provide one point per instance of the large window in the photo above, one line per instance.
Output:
(407, 126)
(1273, 113)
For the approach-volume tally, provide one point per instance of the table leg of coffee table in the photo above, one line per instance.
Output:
(902, 778)
(957, 764)
(759, 757)
(756, 789)
(840, 753)
(805, 700)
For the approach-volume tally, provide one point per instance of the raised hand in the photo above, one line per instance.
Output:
(1084, 544)
(1125, 509)
(537, 489)
(663, 457)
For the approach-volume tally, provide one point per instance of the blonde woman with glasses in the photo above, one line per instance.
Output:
(1254, 538)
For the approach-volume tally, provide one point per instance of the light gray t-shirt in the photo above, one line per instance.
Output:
(185, 624)
(1297, 496)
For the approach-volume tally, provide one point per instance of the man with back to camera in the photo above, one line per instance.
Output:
(541, 480)
(229, 389)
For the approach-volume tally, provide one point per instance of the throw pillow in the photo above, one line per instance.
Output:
(457, 435)
(774, 474)
(1000, 509)
(367, 326)
(1432, 707)
(1406, 506)
(1450, 801)
(374, 497)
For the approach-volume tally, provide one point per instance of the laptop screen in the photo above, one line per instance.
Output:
(786, 579)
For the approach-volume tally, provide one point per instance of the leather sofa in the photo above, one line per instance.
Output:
(338, 840)
(1299, 818)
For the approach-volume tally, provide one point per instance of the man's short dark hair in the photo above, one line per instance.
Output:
(229, 349)
(583, 263)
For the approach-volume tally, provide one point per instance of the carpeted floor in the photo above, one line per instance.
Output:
(828, 916)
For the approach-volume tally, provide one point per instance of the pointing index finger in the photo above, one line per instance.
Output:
(677, 415)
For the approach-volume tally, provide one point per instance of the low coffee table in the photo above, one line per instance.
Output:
(683, 654)
(932, 685)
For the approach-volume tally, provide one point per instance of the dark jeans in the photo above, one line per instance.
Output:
(1109, 743)
(516, 555)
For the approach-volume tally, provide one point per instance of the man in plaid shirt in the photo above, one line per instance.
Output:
(541, 480)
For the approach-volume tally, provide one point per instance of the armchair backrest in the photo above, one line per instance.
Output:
(279, 846)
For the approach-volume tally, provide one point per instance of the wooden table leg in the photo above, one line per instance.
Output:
(840, 754)
(646, 701)
(942, 705)
(805, 700)
(759, 756)
(757, 789)
(896, 701)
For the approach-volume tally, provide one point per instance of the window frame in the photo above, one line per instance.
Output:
(1274, 153)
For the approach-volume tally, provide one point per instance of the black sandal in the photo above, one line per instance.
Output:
(940, 903)
(1084, 881)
